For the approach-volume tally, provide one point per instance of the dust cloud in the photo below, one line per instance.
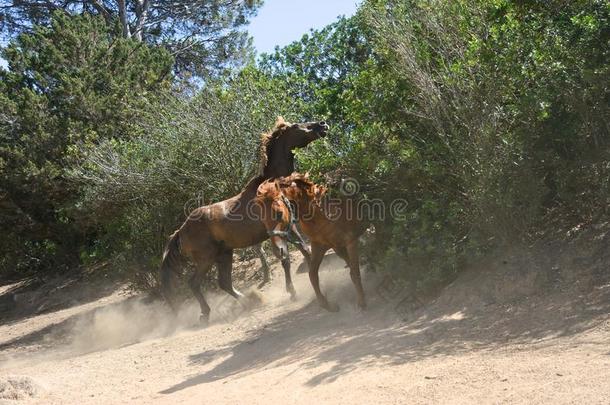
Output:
(127, 321)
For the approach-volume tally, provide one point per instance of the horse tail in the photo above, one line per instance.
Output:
(170, 263)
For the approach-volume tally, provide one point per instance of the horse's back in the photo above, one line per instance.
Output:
(226, 224)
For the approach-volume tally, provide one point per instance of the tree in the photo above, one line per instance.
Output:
(203, 36)
(320, 65)
(67, 88)
(487, 117)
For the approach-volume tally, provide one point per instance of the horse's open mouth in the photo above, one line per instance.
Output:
(319, 128)
(323, 131)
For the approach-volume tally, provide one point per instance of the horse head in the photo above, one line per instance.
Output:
(299, 188)
(274, 211)
(277, 157)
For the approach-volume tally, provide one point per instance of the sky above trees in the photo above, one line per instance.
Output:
(280, 22)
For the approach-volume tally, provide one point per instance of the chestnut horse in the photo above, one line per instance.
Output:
(210, 233)
(328, 223)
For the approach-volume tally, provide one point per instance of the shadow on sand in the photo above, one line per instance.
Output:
(349, 340)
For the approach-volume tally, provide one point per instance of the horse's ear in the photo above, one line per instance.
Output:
(280, 122)
(261, 189)
(319, 192)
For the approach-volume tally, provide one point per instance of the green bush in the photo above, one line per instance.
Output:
(489, 118)
(68, 87)
(191, 152)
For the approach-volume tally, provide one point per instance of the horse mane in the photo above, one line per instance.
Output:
(268, 140)
(303, 183)
(269, 189)
(272, 188)
(301, 179)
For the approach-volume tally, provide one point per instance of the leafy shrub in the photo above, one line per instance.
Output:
(191, 152)
(68, 87)
(487, 117)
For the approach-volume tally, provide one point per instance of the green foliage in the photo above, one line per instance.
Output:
(490, 118)
(487, 117)
(191, 152)
(205, 38)
(68, 87)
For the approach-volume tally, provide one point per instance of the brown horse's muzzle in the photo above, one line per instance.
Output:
(321, 128)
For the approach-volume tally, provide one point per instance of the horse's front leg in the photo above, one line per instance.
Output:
(317, 254)
(265, 266)
(280, 250)
(302, 246)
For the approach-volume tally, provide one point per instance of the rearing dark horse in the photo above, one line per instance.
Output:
(210, 233)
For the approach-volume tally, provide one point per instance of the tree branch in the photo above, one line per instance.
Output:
(101, 9)
(123, 18)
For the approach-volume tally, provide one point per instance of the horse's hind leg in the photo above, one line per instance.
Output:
(353, 261)
(225, 267)
(202, 266)
(317, 254)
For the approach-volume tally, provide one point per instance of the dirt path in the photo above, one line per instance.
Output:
(553, 349)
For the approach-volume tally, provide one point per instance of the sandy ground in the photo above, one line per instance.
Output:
(461, 348)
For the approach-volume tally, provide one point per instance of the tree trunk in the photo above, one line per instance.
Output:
(142, 15)
(123, 18)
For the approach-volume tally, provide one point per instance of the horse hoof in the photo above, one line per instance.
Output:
(332, 307)
(293, 293)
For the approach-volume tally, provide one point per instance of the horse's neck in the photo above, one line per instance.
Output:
(249, 191)
(280, 163)
(328, 209)
(310, 211)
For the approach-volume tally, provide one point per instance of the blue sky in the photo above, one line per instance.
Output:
(280, 22)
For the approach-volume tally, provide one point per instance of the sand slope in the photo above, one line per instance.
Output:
(467, 346)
